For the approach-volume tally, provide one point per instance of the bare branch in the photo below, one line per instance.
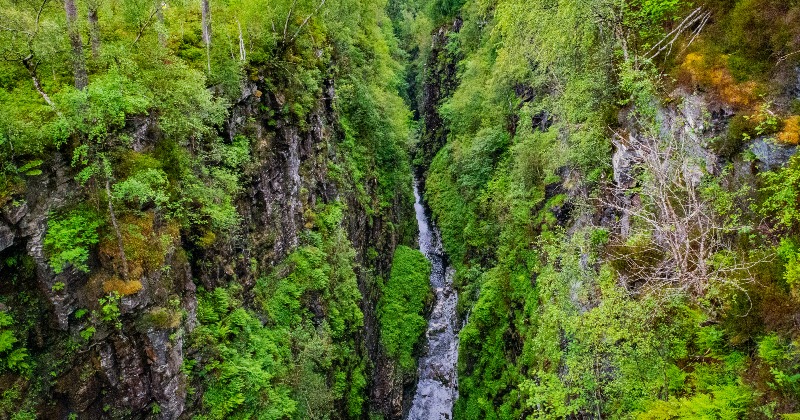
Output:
(679, 241)
(299, 28)
(148, 22)
(669, 39)
(288, 16)
(786, 57)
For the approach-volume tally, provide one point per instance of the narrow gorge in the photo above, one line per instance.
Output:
(399, 209)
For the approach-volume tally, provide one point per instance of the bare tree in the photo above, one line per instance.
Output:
(78, 61)
(694, 21)
(242, 51)
(285, 38)
(676, 240)
(162, 36)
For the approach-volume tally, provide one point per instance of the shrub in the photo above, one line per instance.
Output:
(402, 305)
(70, 237)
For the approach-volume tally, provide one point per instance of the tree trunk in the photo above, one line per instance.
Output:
(205, 10)
(114, 224)
(162, 36)
(242, 51)
(78, 62)
(94, 29)
(36, 84)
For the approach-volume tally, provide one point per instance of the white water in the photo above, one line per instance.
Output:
(437, 388)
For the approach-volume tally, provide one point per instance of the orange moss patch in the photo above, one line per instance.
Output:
(791, 130)
(122, 287)
(714, 74)
(146, 244)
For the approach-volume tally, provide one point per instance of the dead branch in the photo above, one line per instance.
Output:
(666, 42)
(305, 22)
(288, 17)
(786, 57)
(680, 235)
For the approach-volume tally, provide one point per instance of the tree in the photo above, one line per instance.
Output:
(21, 28)
(78, 61)
(94, 28)
(676, 238)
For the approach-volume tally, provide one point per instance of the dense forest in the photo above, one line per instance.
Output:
(207, 207)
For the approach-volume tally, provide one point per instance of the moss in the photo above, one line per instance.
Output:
(162, 318)
(790, 134)
(710, 70)
(122, 287)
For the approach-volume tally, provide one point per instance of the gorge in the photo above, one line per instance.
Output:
(399, 209)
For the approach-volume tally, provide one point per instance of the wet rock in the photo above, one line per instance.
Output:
(770, 154)
(6, 237)
(80, 385)
(165, 357)
(124, 369)
(437, 388)
(14, 213)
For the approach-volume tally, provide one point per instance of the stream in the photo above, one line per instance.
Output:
(437, 386)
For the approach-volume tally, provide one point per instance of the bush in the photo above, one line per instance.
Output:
(402, 306)
(70, 237)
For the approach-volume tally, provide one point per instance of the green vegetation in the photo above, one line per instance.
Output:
(575, 310)
(70, 238)
(151, 124)
(14, 356)
(620, 248)
(304, 359)
(402, 306)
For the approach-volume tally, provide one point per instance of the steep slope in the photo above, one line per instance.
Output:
(613, 184)
(204, 229)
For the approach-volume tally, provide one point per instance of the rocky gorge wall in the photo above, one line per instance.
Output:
(137, 369)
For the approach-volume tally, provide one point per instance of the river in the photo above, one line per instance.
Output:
(437, 386)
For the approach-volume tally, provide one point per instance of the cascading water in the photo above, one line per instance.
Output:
(437, 387)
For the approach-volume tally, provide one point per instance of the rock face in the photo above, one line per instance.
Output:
(440, 81)
(127, 370)
(135, 370)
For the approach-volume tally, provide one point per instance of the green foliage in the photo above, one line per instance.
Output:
(790, 254)
(143, 188)
(109, 309)
(725, 402)
(99, 111)
(70, 237)
(782, 195)
(13, 354)
(783, 359)
(402, 305)
(553, 330)
(154, 137)
(302, 360)
(243, 358)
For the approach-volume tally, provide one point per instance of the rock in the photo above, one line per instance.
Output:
(6, 237)
(14, 213)
(165, 358)
(769, 154)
